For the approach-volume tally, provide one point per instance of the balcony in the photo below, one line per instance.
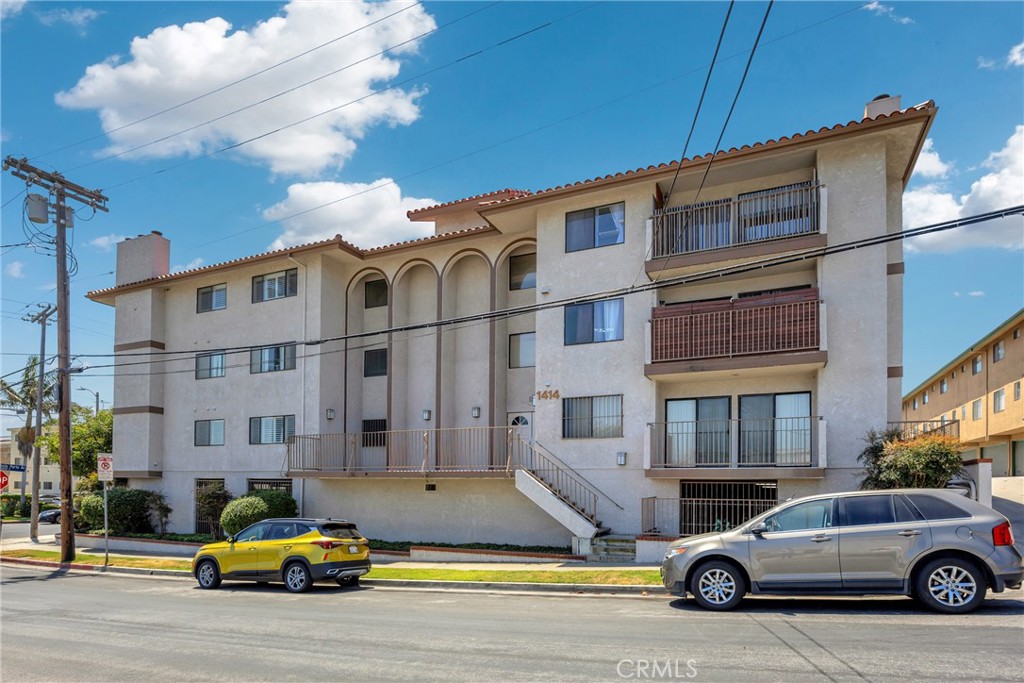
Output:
(475, 451)
(752, 224)
(775, 329)
(780, 447)
(912, 430)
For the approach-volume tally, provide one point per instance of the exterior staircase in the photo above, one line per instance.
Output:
(612, 548)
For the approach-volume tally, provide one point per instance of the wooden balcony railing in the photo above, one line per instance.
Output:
(779, 323)
(772, 214)
(767, 442)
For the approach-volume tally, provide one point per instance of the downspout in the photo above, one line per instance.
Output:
(302, 404)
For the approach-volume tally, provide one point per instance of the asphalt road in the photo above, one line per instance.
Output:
(21, 530)
(60, 626)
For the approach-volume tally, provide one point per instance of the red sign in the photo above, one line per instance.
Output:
(3, 479)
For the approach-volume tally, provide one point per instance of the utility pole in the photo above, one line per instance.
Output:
(40, 318)
(61, 189)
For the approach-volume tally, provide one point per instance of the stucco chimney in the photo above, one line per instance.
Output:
(143, 257)
(882, 105)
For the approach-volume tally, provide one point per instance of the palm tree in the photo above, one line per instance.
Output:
(22, 396)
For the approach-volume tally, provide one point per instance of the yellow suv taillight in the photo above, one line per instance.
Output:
(327, 545)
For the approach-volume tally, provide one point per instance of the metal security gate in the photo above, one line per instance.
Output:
(706, 507)
(203, 524)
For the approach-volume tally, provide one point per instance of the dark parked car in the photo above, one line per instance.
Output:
(944, 549)
(50, 516)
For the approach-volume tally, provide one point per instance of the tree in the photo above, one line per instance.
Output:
(90, 435)
(926, 461)
(22, 395)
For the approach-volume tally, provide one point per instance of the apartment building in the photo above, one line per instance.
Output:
(980, 390)
(549, 365)
(49, 474)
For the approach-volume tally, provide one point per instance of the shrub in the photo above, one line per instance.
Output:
(242, 512)
(90, 483)
(872, 455)
(129, 510)
(210, 503)
(279, 503)
(923, 462)
(25, 507)
(8, 506)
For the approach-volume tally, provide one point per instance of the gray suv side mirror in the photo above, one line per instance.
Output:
(759, 528)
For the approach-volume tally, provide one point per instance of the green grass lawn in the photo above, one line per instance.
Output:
(606, 577)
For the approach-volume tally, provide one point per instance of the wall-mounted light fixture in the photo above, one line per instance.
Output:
(330, 413)
(620, 457)
(426, 416)
(475, 411)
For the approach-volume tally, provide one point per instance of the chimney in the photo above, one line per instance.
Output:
(882, 105)
(143, 257)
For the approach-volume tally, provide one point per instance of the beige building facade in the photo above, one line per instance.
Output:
(548, 365)
(980, 390)
(49, 474)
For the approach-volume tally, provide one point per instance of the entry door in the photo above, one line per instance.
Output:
(523, 423)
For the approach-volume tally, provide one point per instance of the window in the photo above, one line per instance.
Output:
(522, 272)
(375, 363)
(924, 398)
(936, 508)
(861, 510)
(598, 227)
(1016, 390)
(998, 351)
(211, 298)
(1016, 333)
(963, 413)
(257, 532)
(210, 365)
(275, 285)
(47, 485)
(904, 511)
(275, 429)
(976, 365)
(592, 417)
(814, 514)
(522, 350)
(998, 400)
(375, 294)
(697, 431)
(375, 433)
(943, 386)
(272, 359)
(600, 321)
(914, 403)
(17, 460)
(976, 410)
(209, 433)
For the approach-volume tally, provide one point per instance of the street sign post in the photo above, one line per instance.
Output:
(105, 473)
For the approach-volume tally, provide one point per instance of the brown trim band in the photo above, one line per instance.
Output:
(895, 268)
(147, 344)
(657, 266)
(978, 461)
(894, 371)
(138, 474)
(134, 410)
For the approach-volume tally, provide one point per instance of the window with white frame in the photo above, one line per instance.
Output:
(209, 433)
(209, 365)
(977, 365)
(47, 485)
(976, 410)
(589, 323)
(272, 429)
(275, 285)
(998, 351)
(272, 359)
(943, 386)
(998, 401)
(924, 398)
(914, 403)
(522, 350)
(1016, 390)
(212, 298)
(592, 417)
(601, 226)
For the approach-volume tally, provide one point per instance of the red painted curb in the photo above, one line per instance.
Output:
(48, 563)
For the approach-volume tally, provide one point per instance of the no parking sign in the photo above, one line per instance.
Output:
(105, 467)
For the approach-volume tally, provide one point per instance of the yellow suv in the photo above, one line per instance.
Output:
(296, 551)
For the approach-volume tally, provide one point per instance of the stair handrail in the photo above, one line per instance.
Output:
(535, 445)
(562, 485)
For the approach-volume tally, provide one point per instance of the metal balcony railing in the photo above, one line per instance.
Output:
(910, 430)
(736, 330)
(767, 442)
(679, 517)
(752, 217)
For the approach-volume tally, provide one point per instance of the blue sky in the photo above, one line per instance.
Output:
(583, 90)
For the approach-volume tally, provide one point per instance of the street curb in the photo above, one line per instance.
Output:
(559, 588)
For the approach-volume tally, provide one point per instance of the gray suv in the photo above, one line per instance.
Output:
(934, 544)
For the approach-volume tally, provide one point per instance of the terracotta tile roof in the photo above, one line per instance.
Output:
(497, 195)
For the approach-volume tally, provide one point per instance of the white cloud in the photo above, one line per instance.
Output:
(976, 293)
(373, 216)
(15, 269)
(1016, 56)
(1001, 187)
(986, 63)
(194, 263)
(8, 8)
(177, 63)
(886, 11)
(79, 18)
(929, 164)
(106, 243)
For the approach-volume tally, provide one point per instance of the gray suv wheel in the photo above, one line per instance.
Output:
(951, 585)
(718, 585)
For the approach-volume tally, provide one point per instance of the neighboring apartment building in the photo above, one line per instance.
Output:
(49, 474)
(981, 390)
(620, 397)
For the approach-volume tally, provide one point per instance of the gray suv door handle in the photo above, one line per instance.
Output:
(910, 532)
(820, 539)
